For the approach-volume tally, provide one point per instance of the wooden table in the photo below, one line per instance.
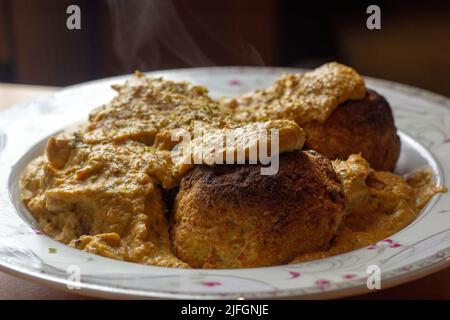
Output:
(435, 286)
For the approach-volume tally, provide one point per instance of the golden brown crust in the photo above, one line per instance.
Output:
(365, 126)
(231, 216)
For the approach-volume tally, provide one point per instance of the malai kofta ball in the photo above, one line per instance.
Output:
(363, 126)
(231, 216)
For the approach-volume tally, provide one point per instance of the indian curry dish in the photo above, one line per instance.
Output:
(112, 186)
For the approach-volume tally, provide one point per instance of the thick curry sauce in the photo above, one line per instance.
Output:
(378, 204)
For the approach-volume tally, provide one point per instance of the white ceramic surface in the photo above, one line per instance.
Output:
(423, 247)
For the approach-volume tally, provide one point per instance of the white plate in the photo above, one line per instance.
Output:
(421, 248)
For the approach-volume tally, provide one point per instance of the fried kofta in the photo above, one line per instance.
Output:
(231, 216)
(363, 126)
(331, 103)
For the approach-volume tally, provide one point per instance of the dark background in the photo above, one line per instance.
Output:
(118, 37)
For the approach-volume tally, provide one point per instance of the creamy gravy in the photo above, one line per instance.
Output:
(379, 204)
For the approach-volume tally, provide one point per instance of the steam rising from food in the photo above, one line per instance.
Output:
(146, 33)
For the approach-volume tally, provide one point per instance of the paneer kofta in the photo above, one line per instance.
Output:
(340, 117)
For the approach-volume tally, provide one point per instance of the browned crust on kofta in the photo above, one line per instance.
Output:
(365, 126)
(231, 216)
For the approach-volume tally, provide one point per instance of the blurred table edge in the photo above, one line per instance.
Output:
(434, 286)
(11, 94)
